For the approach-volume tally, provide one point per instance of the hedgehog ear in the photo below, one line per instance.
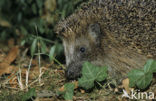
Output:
(94, 32)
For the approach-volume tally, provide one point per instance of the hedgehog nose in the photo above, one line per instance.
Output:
(73, 71)
(69, 74)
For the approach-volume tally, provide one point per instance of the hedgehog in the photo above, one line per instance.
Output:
(119, 34)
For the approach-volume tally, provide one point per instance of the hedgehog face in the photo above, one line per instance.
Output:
(81, 48)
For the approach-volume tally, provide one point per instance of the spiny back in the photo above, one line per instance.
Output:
(130, 22)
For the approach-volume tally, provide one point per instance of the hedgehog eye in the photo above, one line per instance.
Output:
(82, 49)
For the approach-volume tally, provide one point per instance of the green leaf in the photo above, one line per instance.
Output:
(86, 83)
(39, 3)
(144, 81)
(41, 26)
(142, 78)
(34, 8)
(33, 46)
(102, 73)
(59, 48)
(29, 94)
(52, 51)
(69, 91)
(23, 42)
(91, 73)
(134, 76)
(43, 46)
(139, 78)
(23, 30)
(150, 66)
(19, 16)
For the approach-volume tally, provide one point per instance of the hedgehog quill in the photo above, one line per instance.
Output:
(120, 34)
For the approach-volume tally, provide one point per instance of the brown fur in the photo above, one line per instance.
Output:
(128, 30)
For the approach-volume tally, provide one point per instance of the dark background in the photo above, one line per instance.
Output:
(26, 20)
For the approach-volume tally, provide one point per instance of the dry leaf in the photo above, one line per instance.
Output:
(4, 68)
(50, 5)
(34, 62)
(11, 43)
(34, 71)
(4, 23)
(75, 84)
(13, 81)
(62, 89)
(82, 91)
(2, 56)
(12, 55)
(59, 71)
(125, 84)
(5, 65)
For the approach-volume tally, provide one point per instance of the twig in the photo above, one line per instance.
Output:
(36, 79)
(27, 73)
(58, 63)
(19, 78)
